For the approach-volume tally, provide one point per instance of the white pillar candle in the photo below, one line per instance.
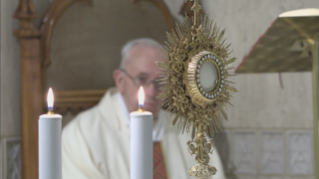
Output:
(141, 142)
(50, 155)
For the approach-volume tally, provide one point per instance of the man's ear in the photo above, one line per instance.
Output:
(119, 80)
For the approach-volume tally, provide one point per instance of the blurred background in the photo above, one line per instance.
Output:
(269, 132)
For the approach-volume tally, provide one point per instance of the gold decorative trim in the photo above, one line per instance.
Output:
(165, 160)
(198, 94)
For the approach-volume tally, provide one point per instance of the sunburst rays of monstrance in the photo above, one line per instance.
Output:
(196, 86)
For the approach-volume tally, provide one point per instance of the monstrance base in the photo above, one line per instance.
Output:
(202, 171)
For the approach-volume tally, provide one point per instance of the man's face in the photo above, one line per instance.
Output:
(142, 68)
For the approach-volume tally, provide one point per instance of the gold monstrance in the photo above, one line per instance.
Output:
(197, 89)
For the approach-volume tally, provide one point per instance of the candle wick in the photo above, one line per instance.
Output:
(140, 108)
(50, 112)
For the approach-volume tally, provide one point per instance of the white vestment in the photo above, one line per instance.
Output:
(96, 145)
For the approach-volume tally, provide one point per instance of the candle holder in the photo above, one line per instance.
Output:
(196, 84)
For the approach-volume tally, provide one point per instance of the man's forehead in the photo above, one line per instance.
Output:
(146, 68)
(144, 58)
(141, 51)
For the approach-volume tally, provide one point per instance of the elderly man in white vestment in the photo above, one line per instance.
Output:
(96, 143)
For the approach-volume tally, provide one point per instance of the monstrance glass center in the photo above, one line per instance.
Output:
(208, 76)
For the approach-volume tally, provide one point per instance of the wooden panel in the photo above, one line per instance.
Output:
(31, 104)
(31, 87)
(76, 101)
(51, 17)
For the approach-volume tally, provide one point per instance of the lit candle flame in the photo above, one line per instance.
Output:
(50, 99)
(141, 97)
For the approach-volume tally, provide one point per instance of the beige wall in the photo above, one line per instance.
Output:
(260, 97)
(10, 68)
(269, 131)
(263, 113)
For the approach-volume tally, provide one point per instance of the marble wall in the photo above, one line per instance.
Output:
(269, 132)
(12, 158)
(266, 153)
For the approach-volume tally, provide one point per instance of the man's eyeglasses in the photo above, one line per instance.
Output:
(142, 80)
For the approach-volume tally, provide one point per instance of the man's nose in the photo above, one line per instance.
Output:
(150, 90)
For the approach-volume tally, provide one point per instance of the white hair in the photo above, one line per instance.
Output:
(142, 42)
